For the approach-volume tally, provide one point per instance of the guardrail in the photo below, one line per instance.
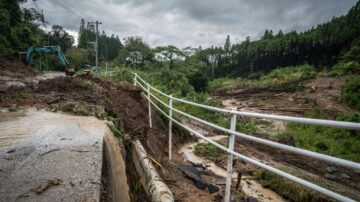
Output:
(232, 134)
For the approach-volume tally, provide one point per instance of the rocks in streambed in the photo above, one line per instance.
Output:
(192, 172)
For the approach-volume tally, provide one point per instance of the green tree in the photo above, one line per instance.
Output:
(78, 57)
(171, 54)
(138, 52)
(58, 36)
(19, 27)
(227, 44)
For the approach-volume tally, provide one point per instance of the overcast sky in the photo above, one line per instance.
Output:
(192, 22)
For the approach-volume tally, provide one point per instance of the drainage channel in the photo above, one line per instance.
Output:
(251, 188)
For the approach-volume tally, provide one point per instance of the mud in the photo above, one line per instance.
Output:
(11, 67)
(249, 187)
(114, 180)
(321, 93)
(119, 102)
(40, 158)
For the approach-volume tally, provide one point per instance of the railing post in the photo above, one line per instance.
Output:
(229, 169)
(148, 94)
(170, 127)
(135, 79)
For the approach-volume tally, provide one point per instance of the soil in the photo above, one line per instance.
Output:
(319, 93)
(88, 95)
(14, 68)
(119, 101)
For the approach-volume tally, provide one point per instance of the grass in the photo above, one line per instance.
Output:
(345, 68)
(207, 150)
(14, 109)
(289, 190)
(281, 79)
(80, 108)
(218, 83)
(342, 143)
(350, 93)
(247, 126)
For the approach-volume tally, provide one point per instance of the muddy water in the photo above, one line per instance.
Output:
(249, 187)
(7, 82)
(267, 126)
(31, 124)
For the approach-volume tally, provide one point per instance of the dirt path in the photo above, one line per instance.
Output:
(320, 93)
(341, 180)
(251, 188)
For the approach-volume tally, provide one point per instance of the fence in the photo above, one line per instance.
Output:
(152, 99)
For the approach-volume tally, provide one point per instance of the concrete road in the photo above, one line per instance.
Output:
(48, 156)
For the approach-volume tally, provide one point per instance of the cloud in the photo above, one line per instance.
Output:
(192, 22)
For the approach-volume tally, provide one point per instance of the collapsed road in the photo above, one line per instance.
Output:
(118, 103)
(49, 156)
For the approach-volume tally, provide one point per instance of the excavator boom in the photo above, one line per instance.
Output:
(50, 49)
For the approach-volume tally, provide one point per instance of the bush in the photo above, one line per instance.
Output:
(297, 73)
(343, 68)
(350, 93)
(218, 83)
(199, 81)
(286, 188)
(256, 75)
(207, 150)
(288, 78)
(176, 83)
(78, 57)
(342, 143)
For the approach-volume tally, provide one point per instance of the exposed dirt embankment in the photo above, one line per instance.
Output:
(14, 68)
(321, 93)
(118, 101)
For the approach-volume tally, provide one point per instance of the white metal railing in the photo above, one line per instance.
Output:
(232, 134)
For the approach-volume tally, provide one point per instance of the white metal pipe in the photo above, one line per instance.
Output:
(296, 150)
(264, 166)
(149, 105)
(158, 91)
(310, 121)
(142, 80)
(157, 99)
(170, 127)
(135, 79)
(269, 168)
(143, 87)
(229, 169)
(319, 122)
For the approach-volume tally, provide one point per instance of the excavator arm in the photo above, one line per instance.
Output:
(49, 49)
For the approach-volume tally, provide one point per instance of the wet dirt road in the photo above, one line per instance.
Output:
(48, 156)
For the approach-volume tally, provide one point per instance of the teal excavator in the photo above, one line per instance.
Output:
(50, 49)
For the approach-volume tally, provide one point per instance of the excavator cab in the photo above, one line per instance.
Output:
(69, 71)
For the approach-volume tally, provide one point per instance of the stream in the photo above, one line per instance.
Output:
(251, 188)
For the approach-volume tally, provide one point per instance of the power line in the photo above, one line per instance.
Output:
(79, 10)
(69, 9)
